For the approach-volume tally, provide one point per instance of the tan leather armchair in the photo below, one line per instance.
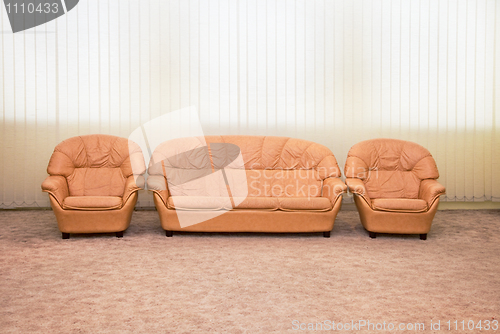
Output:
(394, 186)
(93, 183)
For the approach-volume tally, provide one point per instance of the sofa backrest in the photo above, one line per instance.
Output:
(273, 166)
(390, 168)
(96, 165)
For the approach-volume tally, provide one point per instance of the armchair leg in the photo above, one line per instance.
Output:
(119, 234)
(423, 236)
(373, 235)
(326, 234)
(169, 233)
(65, 235)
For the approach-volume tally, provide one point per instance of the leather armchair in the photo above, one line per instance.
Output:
(93, 182)
(394, 186)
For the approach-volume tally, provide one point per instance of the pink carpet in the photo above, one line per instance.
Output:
(246, 283)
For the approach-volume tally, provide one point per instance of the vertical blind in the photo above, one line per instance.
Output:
(335, 72)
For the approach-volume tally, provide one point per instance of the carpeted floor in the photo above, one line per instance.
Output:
(247, 283)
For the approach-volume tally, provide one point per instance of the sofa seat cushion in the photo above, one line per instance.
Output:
(221, 203)
(249, 203)
(305, 203)
(92, 203)
(258, 203)
(198, 203)
(399, 205)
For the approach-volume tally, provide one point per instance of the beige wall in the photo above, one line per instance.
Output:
(335, 72)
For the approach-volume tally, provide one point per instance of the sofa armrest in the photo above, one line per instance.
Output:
(158, 185)
(333, 188)
(430, 190)
(132, 184)
(56, 186)
(357, 187)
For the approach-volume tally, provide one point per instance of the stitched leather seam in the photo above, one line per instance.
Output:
(262, 150)
(283, 148)
(304, 152)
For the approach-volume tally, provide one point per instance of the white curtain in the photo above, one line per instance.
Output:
(335, 72)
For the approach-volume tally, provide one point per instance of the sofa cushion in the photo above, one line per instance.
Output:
(257, 152)
(305, 203)
(282, 153)
(277, 183)
(300, 183)
(249, 203)
(399, 204)
(243, 183)
(221, 203)
(92, 203)
(210, 185)
(198, 203)
(260, 203)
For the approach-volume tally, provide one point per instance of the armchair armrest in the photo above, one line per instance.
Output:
(132, 184)
(333, 188)
(357, 187)
(56, 186)
(158, 185)
(430, 190)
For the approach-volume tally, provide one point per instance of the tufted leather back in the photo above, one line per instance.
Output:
(274, 166)
(96, 165)
(390, 168)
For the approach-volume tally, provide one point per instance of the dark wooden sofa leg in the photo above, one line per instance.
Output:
(169, 233)
(119, 234)
(373, 235)
(65, 235)
(326, 234)
(423, 236)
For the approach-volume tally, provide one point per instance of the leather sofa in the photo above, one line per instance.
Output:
(93, 183)
(394, 186)
(245, 184)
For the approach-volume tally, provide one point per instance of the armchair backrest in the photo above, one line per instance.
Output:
(390, 168)
(96, 165)
(273, 166)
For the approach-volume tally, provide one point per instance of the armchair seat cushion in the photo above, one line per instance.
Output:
(399, 205)
(249, 203)
(92, 203)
